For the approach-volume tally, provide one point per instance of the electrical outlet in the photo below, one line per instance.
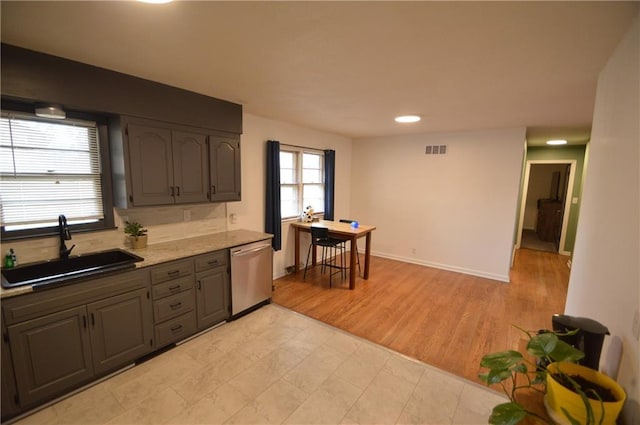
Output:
(635, 327)
(186, 215)
(413, 251)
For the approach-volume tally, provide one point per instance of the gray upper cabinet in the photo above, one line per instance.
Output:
(51, 354)
(165, 166)
(224, 154)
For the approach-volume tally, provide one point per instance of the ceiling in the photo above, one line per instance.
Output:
(350, 67)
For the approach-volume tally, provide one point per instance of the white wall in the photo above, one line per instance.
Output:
(605, 275)
(250, 211)
(457, 211)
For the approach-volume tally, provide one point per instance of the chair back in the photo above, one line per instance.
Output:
(319, 234)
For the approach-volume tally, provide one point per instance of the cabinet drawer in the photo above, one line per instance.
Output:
(173, 270)
(172, 287)
(175, 329)
(173, 306)
(210, 261)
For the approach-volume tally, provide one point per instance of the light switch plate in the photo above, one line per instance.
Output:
(635, 327)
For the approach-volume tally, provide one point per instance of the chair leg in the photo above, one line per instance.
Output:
(358, 258)
(306, 264)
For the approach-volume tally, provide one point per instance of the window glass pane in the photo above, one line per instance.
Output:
(311, 160)
(311, 168)
(289, 201)
(48, 169)
(311, 176)
(313, 195)
(288, 168)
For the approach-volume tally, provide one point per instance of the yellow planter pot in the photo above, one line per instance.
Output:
(139, 242)
(558, 397)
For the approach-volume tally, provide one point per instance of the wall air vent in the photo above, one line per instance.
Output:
(435, 150)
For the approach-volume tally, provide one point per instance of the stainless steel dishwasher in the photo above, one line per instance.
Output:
(251, 275)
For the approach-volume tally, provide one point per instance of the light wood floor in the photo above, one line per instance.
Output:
(445, 319)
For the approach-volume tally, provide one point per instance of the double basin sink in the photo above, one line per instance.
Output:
(52, 272)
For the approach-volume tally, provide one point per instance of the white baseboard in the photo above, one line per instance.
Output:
(478, 273)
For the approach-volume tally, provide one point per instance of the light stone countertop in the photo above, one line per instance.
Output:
(174, 250)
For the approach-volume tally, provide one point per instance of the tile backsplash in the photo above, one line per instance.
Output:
(164, 224)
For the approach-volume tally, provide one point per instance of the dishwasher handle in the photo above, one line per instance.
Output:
(242, 252)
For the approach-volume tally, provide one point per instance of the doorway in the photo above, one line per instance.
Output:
(546, 203)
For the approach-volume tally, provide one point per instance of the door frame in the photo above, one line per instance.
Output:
(567, 203)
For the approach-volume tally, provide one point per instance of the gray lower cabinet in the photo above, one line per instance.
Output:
(212, 288)
(51, 354)
(9, 391)
(64, 337)
(121, 329)
(173, 301)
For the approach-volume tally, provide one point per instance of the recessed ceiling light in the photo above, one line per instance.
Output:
(556, 142)
(407, 118)
(156, 1)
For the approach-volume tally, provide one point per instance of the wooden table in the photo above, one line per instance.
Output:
(344, 231)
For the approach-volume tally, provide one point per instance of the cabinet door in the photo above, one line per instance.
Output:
(51, 354)
(190, 167)
(9, 391)
(151, 165)
(212, 297)
(225, 168)
(121, 329)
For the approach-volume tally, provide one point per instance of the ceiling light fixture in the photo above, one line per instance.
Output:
(50, 111)
(556, 142)
(155, 1)
(407, 118)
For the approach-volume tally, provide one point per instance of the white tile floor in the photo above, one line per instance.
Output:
(275, 366)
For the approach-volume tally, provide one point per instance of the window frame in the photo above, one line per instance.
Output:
(299, 152)
(102, 129)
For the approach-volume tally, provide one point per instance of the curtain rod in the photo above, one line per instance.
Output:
(302, 147)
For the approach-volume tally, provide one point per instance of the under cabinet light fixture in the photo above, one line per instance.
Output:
(556, 142)
(50, 111)
(407, 118)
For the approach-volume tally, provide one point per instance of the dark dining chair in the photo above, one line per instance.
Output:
(330, 249)
(355, 246)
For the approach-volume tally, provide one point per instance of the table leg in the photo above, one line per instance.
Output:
(367, 255)
(296, 251)
(352, 264)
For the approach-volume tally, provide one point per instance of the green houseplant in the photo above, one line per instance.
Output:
(552, 367)
(137, 233)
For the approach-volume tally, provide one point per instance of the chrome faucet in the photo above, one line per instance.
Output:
(65, 235)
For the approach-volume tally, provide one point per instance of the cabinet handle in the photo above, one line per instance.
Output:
(175, 306)
(93, 320)
(84, 321)
(173, 273)
(173, 288)
(199, 284)
(173, 191)
(176, 328)
(178, 190)
(212, 262)
(213, 189)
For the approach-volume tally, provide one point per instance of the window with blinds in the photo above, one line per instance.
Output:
(47, 169)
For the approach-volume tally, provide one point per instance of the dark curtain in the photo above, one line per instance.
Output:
(273, 217)
(329, 183)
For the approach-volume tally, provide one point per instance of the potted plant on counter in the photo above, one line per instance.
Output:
(137, 234)
(573, 394)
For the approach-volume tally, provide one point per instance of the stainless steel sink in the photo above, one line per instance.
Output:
(65, 271)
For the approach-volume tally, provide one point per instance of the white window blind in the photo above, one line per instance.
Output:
(47, 169)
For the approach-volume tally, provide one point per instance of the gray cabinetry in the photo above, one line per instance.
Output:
(51, 354)
(224, 159)
(64, 337)
(173, 301)
(166, 166)
(121, 329)
(9, 391)
(212, 288)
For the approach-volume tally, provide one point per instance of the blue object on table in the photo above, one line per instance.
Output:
(354, 224)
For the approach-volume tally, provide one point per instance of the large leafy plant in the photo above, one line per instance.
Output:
(515, 372)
